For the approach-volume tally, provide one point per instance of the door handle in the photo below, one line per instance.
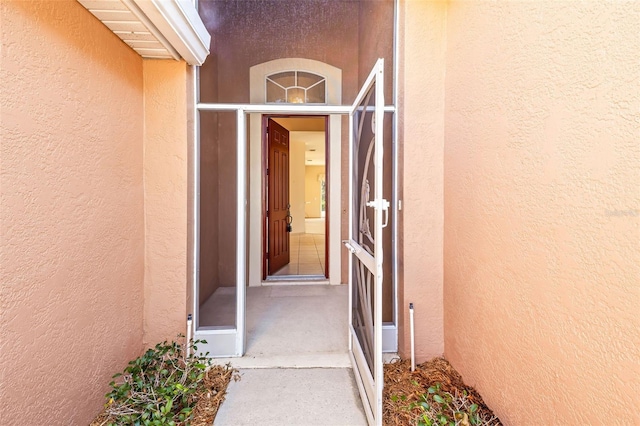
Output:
(381, 204)
(289, 219)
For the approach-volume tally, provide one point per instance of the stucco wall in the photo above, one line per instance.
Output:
(247, 34)
(165, 183)
(421, 141)
(71, 214)
(542, 208)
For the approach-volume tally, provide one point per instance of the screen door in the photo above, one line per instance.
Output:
(368, 214)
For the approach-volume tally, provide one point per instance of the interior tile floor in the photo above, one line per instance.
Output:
(307, 251)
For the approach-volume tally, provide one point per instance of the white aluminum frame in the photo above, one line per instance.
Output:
(230, 341)
(369, 385)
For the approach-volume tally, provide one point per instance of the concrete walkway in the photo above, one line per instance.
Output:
(307, 396)
(296, 370)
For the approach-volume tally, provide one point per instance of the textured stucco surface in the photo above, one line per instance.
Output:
(165, 183)
(421, 138)
(72, 244)
(542, 208)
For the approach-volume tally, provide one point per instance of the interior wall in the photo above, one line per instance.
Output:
(542, 207)
(165, 183)
(422, 39)
(313, 192)
(297, 182)
(72, 211)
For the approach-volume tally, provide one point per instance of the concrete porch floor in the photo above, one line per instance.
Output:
(296, 370)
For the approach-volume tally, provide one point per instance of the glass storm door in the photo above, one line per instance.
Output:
(368, 214)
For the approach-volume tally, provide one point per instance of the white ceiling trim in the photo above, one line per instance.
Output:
(162, 29)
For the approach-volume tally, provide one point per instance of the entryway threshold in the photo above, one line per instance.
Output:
(326, 360)
(295, 279)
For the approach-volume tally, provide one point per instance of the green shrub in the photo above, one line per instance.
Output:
(439, 408)
(157, 388)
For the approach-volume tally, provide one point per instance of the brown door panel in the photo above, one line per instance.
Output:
(277, 196)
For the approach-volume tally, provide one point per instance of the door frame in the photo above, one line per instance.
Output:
(231, 341)
(264, 185)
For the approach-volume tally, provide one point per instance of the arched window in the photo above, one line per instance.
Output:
(296, 87)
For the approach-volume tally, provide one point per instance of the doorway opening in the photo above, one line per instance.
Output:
(295, 188)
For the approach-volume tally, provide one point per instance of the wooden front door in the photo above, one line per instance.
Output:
(277, 196)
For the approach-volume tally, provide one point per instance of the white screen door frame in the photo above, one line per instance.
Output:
(365, 247)
(231, 341)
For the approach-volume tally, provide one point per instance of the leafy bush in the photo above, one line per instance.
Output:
(157, 388)
(439, 408)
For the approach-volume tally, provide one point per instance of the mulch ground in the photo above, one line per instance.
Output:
(212, 394)
(399, 380)
(209, 397)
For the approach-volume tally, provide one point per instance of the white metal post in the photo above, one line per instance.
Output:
(379, 151)
(241, 226)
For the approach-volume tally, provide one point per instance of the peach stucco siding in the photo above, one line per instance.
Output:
(542, 208)
(519, 240)
(421, 140)
(165, 183)
(71, 211)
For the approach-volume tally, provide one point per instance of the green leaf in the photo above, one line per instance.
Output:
(438, 399)
(431, 389)
(473, 408)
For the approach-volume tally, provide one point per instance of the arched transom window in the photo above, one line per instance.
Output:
(296, 87)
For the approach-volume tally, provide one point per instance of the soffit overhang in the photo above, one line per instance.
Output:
(158, 29)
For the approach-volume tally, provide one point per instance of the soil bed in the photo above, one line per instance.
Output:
(405, 390)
